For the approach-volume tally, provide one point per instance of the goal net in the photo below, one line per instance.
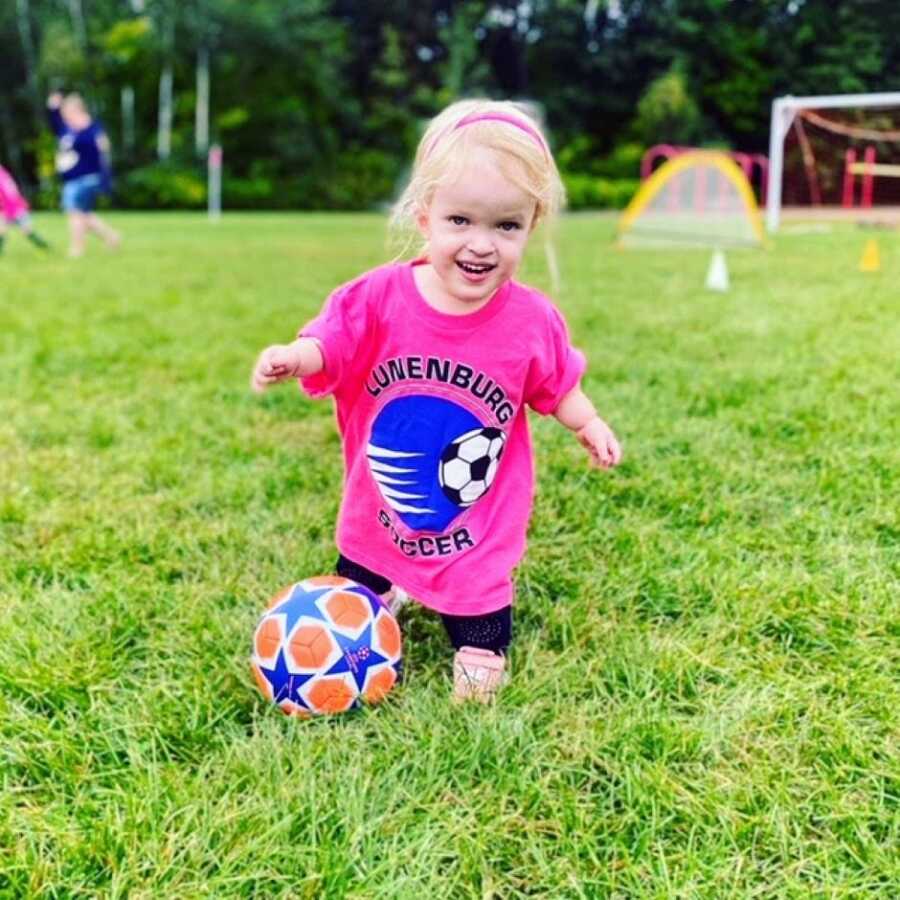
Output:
(834, 153)
(700, 198)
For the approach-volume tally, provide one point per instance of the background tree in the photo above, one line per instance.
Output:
(319, 103)
(668, 112)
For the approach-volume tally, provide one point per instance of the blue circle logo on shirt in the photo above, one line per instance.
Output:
(406, 444)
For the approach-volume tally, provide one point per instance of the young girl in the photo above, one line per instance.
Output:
(14, 211)
(83, 164)
(432, 364)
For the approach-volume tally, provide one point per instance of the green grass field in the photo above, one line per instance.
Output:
(705, 698)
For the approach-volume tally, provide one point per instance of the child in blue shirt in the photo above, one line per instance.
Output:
(82, 162)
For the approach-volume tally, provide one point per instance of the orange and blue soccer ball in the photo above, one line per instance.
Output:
(324, 645)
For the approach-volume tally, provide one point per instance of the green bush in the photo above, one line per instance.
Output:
(585, 191)
(359, 180)
(161, 186)
(362, 180)
(581, 154)
(595, 181)
(47, 195)
(256, 192)
(623, 162)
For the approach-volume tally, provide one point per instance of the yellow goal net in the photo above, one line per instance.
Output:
(700, 198)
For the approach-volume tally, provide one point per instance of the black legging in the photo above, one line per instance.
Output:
(492, 631)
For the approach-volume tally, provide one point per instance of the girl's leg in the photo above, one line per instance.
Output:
(36, 239)
(492, 631)
(109, 235)
(376, 583)
(481, 643)
(24, 223)
(77, 231)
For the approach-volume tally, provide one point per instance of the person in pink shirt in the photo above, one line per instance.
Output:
(432, 364)
(14, 210)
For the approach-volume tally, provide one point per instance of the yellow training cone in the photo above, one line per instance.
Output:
(871, 258)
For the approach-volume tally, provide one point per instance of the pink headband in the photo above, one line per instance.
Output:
(496, 117)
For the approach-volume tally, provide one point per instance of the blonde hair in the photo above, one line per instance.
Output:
(449, 141)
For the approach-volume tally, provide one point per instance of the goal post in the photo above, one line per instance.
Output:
(784, 111)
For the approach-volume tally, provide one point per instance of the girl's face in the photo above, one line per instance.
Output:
(477, 228)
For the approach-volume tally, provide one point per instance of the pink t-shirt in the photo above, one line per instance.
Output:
(438, 473)
(12, 203)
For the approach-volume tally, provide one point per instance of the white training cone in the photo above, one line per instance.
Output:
(717, 276)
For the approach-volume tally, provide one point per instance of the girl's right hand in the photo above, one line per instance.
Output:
(275, 363)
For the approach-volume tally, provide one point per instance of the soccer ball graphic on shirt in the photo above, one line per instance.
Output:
(325, 645)
(431, 459)
(469, 464)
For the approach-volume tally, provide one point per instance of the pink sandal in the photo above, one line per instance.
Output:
(477, 674)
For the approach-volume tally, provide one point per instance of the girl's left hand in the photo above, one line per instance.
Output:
(598, 439)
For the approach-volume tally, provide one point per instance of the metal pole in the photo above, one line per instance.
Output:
(201, 112)
(127, 97)
(164, 127)
(781, 120)
(868, 183)
(849, 179)
(214, 182)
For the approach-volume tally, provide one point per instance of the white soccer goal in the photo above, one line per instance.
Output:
(853, 137)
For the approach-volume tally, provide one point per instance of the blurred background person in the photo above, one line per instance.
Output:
(83, 164)
(14, 210)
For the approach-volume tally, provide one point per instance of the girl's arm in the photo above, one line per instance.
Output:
(578, 414)
(296, 360)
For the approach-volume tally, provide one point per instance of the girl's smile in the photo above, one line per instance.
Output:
(474, 272)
